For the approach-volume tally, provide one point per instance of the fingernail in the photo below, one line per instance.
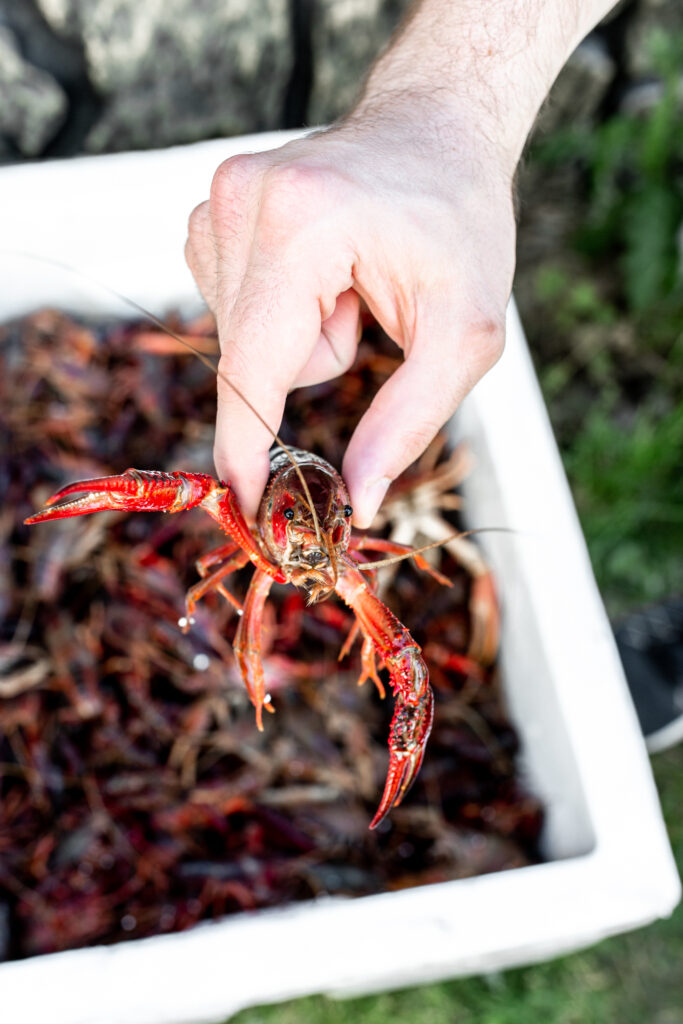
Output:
(371, 499)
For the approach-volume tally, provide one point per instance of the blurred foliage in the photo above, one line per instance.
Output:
(633, 175)
(628, 484)
(612, 307)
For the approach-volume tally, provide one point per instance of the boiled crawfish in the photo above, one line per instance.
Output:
(302, 536)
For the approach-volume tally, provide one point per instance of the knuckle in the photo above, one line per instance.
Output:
(479, 346)
(198, 221)
(232, 187)
(291, 181)
(424, 432)
(342, 361)
(233, 367)
(346, 358)
(487, 342)
(414, 441)
(232, 176)
(240, 380)
(189, 256)
(288, 198)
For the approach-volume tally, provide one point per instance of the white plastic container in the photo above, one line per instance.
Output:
(122, 219)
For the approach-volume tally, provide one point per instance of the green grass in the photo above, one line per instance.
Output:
(627, 479)
(633, 177)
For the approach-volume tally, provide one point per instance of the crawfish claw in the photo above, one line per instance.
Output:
(135, 490)
(410, 729)
(90, 496)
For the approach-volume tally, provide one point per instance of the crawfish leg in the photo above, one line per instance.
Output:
(483, 602)
(214, 557)
(214, 581)
(369, 666)
(247, 644)
(222, 506)
(409, 679)
(367, 658)
(367, 654)
(485, 614)
(350, 640)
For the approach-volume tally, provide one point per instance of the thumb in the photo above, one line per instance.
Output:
(409, 410)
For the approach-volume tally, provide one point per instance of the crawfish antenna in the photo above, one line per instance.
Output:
(380, 563)
(200, 355)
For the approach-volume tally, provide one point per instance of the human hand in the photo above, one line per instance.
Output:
(393, 208)
(407, 205)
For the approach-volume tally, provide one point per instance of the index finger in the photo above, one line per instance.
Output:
(265, 342)
(275, 289)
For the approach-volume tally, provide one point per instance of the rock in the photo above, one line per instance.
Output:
(574, 99)
(174, 71)
(62, 15)
(579, 88)
(347, 37)
(34, 105)
(38, 43)
(642, 97)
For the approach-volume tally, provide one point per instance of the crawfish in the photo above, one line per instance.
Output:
(302, 536)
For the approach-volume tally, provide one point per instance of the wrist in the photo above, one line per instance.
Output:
(436, 124)
(478, 70)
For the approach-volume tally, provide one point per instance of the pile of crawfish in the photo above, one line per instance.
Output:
(136, 794)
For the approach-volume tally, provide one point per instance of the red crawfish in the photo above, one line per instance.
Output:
(302, 536)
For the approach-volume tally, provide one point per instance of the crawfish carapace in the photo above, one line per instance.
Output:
(307, 543)
(302, 536)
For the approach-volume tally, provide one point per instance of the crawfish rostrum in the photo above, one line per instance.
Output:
(136, 795)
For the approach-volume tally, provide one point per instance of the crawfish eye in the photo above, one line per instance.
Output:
(348, 511)
(288, 513)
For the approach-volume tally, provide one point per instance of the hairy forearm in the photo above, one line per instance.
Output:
(483, 66)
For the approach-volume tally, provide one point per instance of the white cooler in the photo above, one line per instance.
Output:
(122, 219)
